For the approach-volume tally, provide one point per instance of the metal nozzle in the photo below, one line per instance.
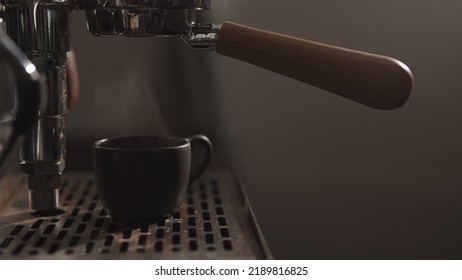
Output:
(44, 191)
(203, 36)
(43, 200)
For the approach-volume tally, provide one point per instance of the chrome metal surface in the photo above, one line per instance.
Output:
(143, 18)
(196, 5)
(43, 199)
(22, 66)
(19, 24)
(203, 36)
(45, 143)
(213, 222)
(40, 28)
(26, 102)
(131, 22)
(51, 19)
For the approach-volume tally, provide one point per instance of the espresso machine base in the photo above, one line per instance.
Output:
(214, 221)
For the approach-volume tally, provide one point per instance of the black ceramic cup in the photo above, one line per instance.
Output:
(144, 178)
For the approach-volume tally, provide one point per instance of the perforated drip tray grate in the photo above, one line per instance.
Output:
(214, 222)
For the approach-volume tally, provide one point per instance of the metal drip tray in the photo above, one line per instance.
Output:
(214, 222)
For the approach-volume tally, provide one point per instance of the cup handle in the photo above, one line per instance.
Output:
(204, 142)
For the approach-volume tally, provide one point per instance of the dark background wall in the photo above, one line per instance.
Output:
(327, 178)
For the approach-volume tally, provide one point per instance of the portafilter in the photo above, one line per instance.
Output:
(374, 80)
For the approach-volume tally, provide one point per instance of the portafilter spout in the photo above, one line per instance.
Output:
(373, 80)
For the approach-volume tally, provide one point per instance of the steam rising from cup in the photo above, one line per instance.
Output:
(126, 103)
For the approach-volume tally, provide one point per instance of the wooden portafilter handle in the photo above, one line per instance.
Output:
(376, 81)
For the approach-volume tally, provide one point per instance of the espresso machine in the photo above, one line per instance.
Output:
(66, 206)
